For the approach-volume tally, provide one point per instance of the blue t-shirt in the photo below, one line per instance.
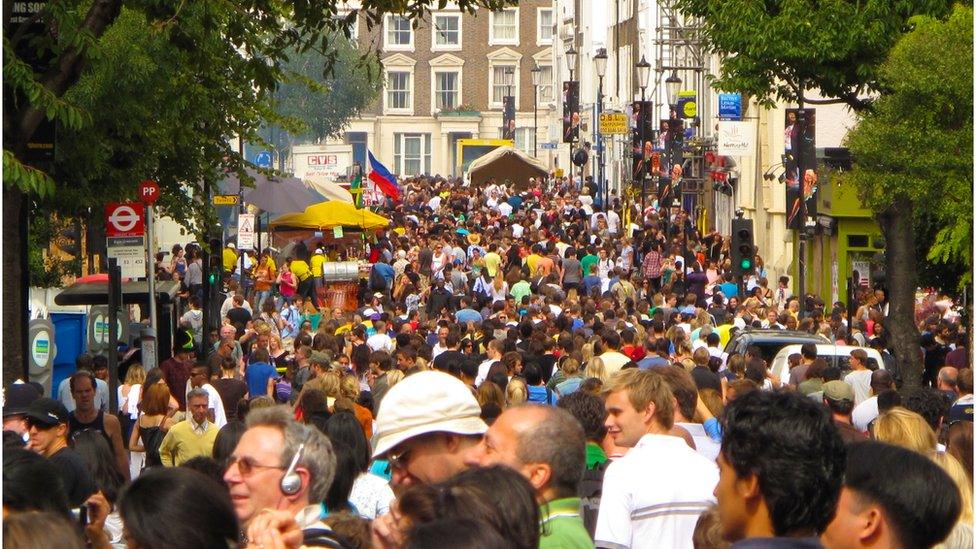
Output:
(257, 376)
(541, 395)
(652, 361)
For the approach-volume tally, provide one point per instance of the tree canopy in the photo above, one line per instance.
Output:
(772, 49)
(917, 142)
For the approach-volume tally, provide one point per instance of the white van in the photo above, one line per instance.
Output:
(835, 355)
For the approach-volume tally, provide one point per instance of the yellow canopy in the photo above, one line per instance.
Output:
(329, 214)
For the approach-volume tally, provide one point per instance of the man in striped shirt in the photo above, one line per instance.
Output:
(653, 495)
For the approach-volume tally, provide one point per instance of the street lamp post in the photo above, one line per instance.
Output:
(536, 81)
(643, 75)
(673, 84)
(600, 64)
(571, 62)
(509, 100)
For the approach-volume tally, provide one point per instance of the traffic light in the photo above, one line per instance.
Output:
(215, 263)
(743, 247)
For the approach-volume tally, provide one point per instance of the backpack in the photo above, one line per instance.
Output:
(376, 281)
(591, 489)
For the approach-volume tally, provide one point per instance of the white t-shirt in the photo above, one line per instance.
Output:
(704, 444)
(371, 495)
(860, 381)
(613, 361)
(864, 413)
(380, 342)
(654, 494)
(505, 208)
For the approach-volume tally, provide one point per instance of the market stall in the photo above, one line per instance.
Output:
(337, 227)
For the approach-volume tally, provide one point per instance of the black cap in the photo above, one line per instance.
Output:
(18, 397)
(47, 411)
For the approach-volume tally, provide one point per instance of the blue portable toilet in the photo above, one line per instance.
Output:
(70, 337)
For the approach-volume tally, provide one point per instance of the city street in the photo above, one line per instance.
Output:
(536, 274)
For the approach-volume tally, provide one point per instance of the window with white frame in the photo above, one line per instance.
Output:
(447, 31)
(544, 26)
(524, 139)
(626, 10)
(399, 33)
(545, 84)
(398, 91)
(351, 22)
(447, 90)
(504, 27)
(498, 87)
(411, 153)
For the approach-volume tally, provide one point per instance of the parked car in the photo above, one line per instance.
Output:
(770, 341)
(835, 355)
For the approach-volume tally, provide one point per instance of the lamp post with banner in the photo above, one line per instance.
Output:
(643, 75)
(571, 96)
(536, 82)
(600, 64)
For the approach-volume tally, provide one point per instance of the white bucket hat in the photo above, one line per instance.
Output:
(426, 402)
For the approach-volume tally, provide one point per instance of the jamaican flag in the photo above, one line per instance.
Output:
(356, 190)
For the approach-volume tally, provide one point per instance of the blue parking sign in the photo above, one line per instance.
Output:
(730, 106)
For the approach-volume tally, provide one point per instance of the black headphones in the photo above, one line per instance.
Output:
(291, 482)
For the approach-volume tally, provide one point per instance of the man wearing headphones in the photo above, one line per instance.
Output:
(281, 465)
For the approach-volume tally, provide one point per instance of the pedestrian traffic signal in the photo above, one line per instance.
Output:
(743, 247)
(215, 262)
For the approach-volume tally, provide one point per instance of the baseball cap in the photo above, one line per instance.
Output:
(838, 390)
(426, 402)
(318, 250)
(318, 357)
(18, 397)
(231, 245)
(47, 411)
(378, 294)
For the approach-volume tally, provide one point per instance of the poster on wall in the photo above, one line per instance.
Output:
(800, 146)
(642, 140)
(571, 114)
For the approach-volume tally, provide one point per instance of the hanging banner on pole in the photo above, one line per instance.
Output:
(508, 117)
(571, 114)
(794, 140)
(643, 139)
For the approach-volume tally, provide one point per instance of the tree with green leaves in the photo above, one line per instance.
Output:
(778, 49)
(914, 155)
(151, 90)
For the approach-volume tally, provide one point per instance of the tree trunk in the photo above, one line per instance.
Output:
(903, 341)
(15, 316)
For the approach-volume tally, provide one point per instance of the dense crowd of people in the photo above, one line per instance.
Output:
(525, 369)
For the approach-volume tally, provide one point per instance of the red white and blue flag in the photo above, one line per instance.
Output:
(384, 180)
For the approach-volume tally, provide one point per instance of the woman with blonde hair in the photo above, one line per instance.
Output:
(961, 535)
(595, 368)
(902, 427)
(129, 395)
(349, 390)
(490, 392)
(516, 393)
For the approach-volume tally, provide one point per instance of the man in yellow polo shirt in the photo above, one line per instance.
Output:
(230, 257)
(192, 437)
(303, 274)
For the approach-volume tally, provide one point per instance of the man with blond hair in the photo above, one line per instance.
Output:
(653, 495)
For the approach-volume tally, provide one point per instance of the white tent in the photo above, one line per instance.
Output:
(506, 163)
(328, 189)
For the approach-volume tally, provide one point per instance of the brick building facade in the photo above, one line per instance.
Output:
(443, 81)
